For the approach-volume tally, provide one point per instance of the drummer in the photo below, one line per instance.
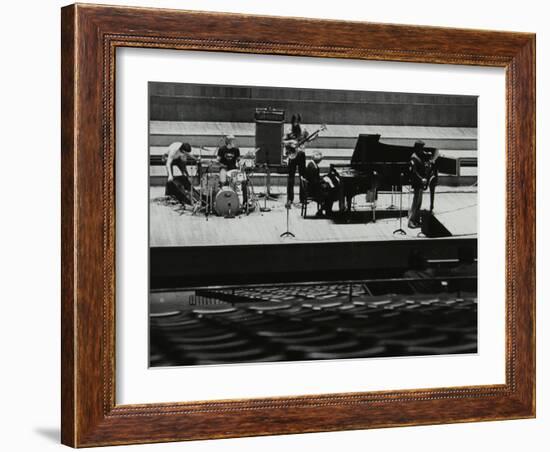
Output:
(228, 157)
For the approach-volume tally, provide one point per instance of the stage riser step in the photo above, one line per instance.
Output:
(279, 181)
(328, 153)
(156, 162)
(468, 158)
(333, 130)
(322, 142)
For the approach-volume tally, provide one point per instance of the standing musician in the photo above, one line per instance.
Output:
(432, 176)
(325, 189)
(228, 157)
(423, 173)
(296, 156)
(179, 155)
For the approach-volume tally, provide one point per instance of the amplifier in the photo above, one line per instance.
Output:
(431, 226)
(269, 114)
(269, 136)
(447, 165)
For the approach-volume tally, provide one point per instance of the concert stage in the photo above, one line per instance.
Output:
(191, 250)
(173, 226)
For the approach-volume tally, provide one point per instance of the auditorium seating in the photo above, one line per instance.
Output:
(311, 322)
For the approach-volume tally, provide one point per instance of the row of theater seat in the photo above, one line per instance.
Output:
(310, 322)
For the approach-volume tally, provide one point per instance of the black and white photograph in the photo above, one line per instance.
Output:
(297, 224)
(262, 226)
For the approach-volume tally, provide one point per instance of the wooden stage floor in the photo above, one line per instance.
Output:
(171, 226)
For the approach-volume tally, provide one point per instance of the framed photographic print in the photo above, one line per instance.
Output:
(269, 232)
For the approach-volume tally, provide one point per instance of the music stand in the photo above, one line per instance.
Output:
(400, 230)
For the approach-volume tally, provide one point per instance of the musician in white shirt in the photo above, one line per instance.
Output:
(179, 155)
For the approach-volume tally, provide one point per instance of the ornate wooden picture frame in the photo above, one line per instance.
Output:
(90, 37)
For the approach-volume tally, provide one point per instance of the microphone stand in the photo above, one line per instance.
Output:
(266, 194)
(400, 230)
(392, 206)
(287, 233)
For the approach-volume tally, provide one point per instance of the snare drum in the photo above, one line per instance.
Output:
(227, 202)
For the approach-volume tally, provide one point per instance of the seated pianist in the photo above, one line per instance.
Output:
(324, 189)
(179, 155)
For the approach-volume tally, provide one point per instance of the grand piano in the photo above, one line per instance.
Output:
(377, 166)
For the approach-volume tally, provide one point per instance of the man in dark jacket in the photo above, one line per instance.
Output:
(295, 155)
(418, 175)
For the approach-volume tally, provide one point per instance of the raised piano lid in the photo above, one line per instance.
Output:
(369, 150)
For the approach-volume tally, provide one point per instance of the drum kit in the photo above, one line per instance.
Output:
(233, 197)
(227, 193)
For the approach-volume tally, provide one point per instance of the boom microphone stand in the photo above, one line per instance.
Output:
(400, 230)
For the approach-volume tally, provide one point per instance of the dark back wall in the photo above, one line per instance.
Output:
(218, 103)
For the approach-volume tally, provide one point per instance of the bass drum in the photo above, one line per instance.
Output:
(227, 202)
